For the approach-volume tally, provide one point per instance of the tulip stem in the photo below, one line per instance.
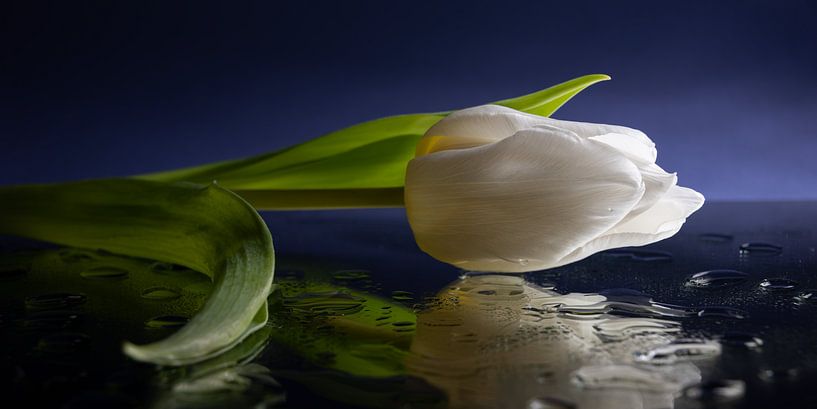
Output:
(323, 199)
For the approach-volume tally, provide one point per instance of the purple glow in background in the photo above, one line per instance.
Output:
(728, 90)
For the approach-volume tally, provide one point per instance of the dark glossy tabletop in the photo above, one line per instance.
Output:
(64, 317)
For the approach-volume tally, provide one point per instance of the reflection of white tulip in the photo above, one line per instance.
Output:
(496, 341)
(494, 189)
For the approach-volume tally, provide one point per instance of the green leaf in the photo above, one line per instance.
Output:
(547, 101)
(206, 228)
(369, 158)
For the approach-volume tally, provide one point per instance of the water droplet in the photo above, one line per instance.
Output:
(679, 349)
(715, 238)
(55, 300)
(104, 273)
(73, 255)
(52, 320)
(639, 254)
(166, 321)
(742, 340)
(550, 403)
(724, 389)
(327, 303)
(726, 312)
(161, 293)
(624, 328)
(168, 268)
(759, 248)
(716, 279)
(808, 296)
(351, 275)
(402, 295)
(779, 375)
(64, 342)
(778, 284)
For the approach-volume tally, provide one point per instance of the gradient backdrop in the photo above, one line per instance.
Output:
(727, 89)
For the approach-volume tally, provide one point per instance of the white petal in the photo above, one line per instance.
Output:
(474, 127)
(659, 222)
(630, 145)
(657, 182)
(520, 204)
(489, 123)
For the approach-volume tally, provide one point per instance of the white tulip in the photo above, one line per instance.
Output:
(495, 189)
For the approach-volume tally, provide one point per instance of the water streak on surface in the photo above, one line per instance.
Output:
(677, 350)
(715, 238)
(329, 303)
(161, 293)
(104, 272)
(52, 320)
(760, 248)
(778, 284)
(166, 321)
(55, 300)
(351, 275)
(725, 312)
(402, 296)
(716, 279)
(639, 254)
(807, 296)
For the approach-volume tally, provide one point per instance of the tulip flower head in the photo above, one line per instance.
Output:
(495, 189)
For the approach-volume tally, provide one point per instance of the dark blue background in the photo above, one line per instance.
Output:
(727, 89)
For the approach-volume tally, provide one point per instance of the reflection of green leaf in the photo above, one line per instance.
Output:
(343, 329)
(208, 229)
(360, 166)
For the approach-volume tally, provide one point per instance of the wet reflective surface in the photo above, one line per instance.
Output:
(721, 316)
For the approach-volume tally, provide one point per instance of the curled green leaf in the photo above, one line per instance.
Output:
(206, 228)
